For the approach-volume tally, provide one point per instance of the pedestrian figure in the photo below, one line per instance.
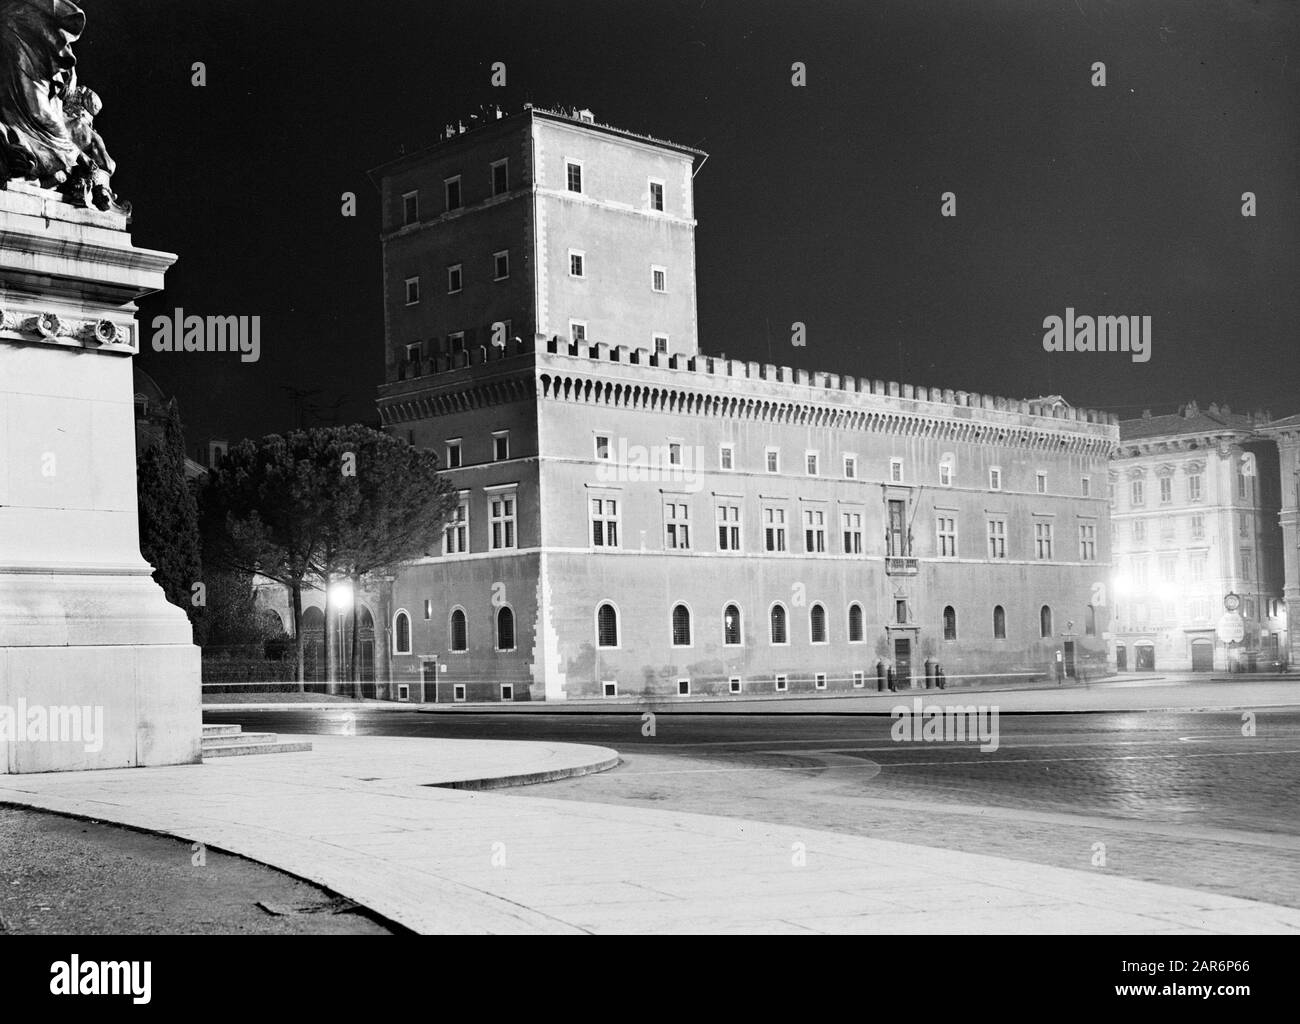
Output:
(890, 678)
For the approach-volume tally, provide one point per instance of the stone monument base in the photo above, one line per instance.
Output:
(97, 669)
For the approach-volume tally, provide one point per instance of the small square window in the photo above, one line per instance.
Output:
(410, 208)
(507, 691)
(683, 687)
(733, 684)
(412, 291)
(500, 177)
(573, 176)
(657, 195)
(453, 279)
(453, 455)
(501, 446)
(602, 447)
(452, 187)
(661, 344)
(458, 691)
(577, 331)
(611, 689)
(501, 264)
(659, 279)
(781, 684)
(577, 264)
(727, 457)
(456, 341)
(859, 680)
(403, 691)
(819, 681)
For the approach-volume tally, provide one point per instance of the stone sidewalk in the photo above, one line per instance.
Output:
(364, 817)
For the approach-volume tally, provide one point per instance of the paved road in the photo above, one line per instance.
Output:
(1183, 798)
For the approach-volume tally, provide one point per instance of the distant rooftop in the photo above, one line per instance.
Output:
(1189, 419)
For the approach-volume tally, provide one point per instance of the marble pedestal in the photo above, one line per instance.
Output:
(85, 632)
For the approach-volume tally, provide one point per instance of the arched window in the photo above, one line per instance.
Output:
(681, 626)
(731, 625)
(401, 633)
(606, 626)
(817, 624)
(1090, 621)
(999, 623)
(950, 623)
(855, 623)
(1045, 621)
(778, 624)
(505, 629)
(459, 631)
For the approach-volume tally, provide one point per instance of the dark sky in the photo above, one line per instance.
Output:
(817, 204)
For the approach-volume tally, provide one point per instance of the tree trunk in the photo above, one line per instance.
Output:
(295, 596)
(353, 672)
(331, 661)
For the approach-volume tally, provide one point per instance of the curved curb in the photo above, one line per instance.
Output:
(530, 778)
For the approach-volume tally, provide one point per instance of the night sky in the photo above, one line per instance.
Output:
(818, 204)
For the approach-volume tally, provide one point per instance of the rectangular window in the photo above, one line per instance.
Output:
(1194, 487)
(455, 535)
(1087, 542)
(413, 352)
(501, 265)
(458, 691)
(577, 330)
(1043, 540)
(604, 522)
(1040, 481)
(1085, 486)
(727, 457)
(1168, 527)
(781, 684)
(610, 687)
(507, 691)
(410, 208)
(1168, 568)
(452, 188)
(453, 454)
(677, 526)
(657, 196)
(850, 467)
(1140, 574)
(946, 527)
(1166, 490)
(412, 291)
(573, 175)
(773, 529)
(851, 531)
(577, 263)
(1137, 493)
(733, 684)
(674, 453)
(1196, 567)
(1198, 527)
(683, 687)
(602, 447)
(900, 612)
(945, 474)
(501, 521)
(1243, 487)
(1247, 566)
(819, 681)
(997, 538)
(428, 608)
(810, 463)
(728, 527)
(896, 471)
(659, 279)
(456, 341)
(898, 541)
(500, 445)
(995, 478)
(1243, 524)
(859, 680)
(772, 456)
(814, 531)
(500, 177)
(661, 344)
(1139, 530)
(453, 279)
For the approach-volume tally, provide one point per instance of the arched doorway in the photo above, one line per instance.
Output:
(313, 644)
(365, 650)
(1144, 656)
(1121, 658)
(1202, 655)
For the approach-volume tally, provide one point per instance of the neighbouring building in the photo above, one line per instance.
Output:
(1285, 433)
(1194, 517)
(637, 517)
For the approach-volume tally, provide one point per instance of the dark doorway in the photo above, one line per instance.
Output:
(1121, 658)
(1069, 659)
(897, 530)
(903, 663)
(1202, 656)
(1146, 658)
(429, 681)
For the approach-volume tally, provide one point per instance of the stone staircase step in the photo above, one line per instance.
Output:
(240, 749)
(221, 730)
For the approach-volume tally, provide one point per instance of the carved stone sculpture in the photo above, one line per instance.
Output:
(46, 118)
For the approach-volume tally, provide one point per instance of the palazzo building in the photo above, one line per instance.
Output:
(638, 517)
